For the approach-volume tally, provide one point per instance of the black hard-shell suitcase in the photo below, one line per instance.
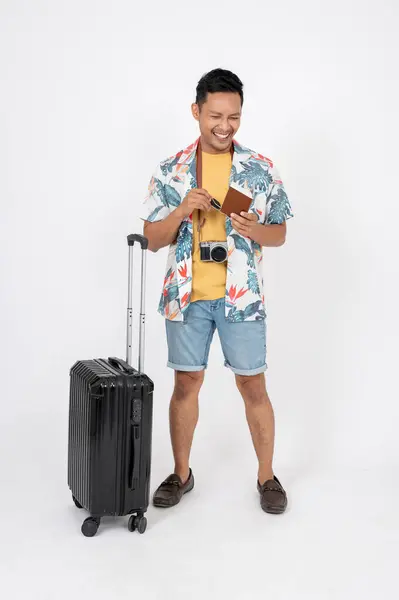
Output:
(110, 428)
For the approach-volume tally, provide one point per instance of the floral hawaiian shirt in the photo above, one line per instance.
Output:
(251, 174)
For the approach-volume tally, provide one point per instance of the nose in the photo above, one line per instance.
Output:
(225, 125)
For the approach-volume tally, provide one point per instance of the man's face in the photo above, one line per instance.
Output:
(219, 120)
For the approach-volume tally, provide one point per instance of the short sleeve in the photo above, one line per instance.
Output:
(155, 206)
(278, 207)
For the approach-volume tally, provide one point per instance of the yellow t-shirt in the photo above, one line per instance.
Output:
(209, 278)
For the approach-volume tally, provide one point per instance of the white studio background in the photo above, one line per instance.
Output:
(93, 95)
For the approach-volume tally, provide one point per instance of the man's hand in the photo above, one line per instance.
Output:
(196, 199)
(246, 224)
(264, 235)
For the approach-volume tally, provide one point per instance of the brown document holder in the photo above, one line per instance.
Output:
(235, 202)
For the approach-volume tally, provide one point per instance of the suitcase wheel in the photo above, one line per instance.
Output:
(137, 522)
(76, 502)
(90, 526)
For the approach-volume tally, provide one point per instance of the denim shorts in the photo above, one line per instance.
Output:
(189, 341)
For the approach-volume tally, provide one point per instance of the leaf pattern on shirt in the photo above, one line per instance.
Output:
(254, 176)
(250, 310)
(193, 172)
(154, 214)
(242, 245)
(252, 282)
(167, 165)
(279, 209)
(184, 243)
(168, 195)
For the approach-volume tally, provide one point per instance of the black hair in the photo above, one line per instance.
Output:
(218, 80)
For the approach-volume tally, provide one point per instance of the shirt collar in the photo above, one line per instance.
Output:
(188, 155)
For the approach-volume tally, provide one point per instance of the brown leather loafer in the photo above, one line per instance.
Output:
(273, 498)
(172, 490)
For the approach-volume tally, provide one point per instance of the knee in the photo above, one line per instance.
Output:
(252, 389)
(188, 383)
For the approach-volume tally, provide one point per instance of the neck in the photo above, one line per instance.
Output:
(210, 150)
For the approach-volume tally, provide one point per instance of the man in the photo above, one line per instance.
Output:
(199, 295)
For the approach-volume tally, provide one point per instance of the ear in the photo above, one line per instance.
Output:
(195, 111)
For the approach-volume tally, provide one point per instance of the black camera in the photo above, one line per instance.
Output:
(213, 251)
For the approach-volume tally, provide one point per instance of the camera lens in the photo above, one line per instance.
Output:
(219, 254)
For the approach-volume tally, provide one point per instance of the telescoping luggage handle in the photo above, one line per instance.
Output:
(143, 241)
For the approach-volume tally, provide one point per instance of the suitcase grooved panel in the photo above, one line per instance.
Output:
(83, 375)
(108, 410)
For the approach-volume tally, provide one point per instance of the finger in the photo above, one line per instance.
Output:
(238, 219)
(240, 225)
(249, 216)
(201, 205)
(242, 230)
(246, 217)
(201, 198)
(205, 204)
(204, 193)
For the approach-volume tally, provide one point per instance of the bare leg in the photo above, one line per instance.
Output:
(260, 417)
(183, 415)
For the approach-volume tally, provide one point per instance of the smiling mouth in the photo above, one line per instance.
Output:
(222, 136)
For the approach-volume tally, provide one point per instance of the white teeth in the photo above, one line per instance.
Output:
(222, 136)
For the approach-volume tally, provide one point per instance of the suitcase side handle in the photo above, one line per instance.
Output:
(135, 464)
